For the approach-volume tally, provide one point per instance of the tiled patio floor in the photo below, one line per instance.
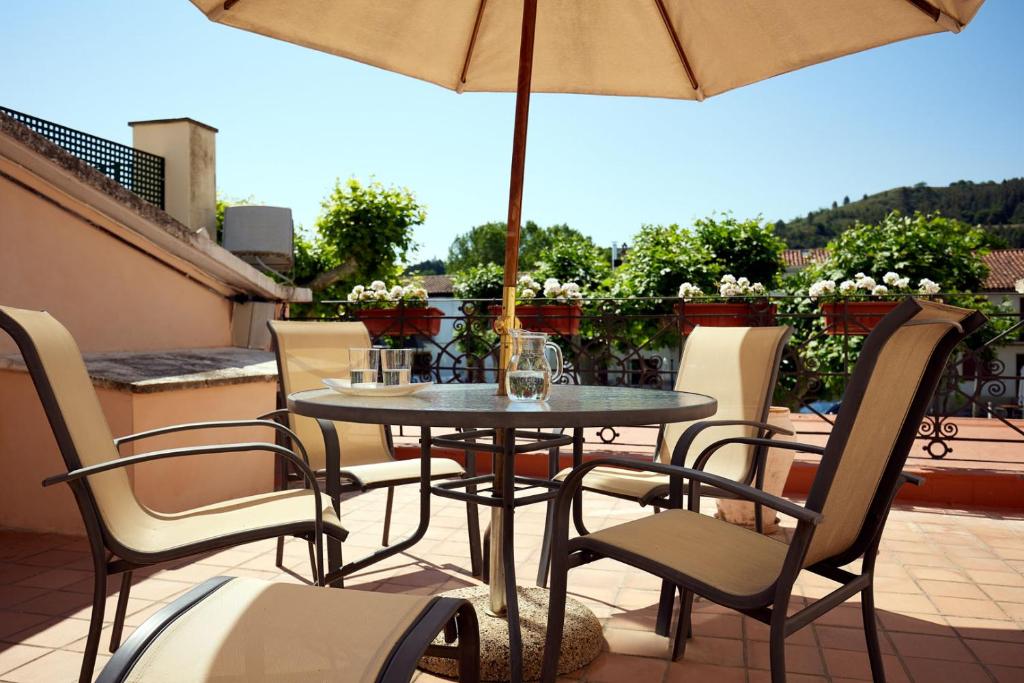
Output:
(950, 598)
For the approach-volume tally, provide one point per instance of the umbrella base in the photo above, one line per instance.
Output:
(581, 643)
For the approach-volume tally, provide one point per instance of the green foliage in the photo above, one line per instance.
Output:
(434, 266)
(479, 282)
(661, 258)
(486, 244)
(919, 246)
(368, 226)
(576, 260)
(999, 205)
(747, 248)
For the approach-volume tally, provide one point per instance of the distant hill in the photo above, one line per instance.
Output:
(999, 207)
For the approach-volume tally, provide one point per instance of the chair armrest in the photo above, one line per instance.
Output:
(685, 442)
(99, 468)
(706, 454)
(217, 424)
(574, 481)
(908, 478)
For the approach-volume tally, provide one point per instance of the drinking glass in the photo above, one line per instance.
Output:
(396, 366)
(363, 367)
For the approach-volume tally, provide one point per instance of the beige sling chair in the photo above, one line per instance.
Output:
(859, 475)
(739, 367)
(235, 630)
(310, 351)
(124, 534)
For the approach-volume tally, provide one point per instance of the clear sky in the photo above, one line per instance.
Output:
(291, 120)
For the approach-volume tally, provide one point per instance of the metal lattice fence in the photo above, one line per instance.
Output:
(138, 171)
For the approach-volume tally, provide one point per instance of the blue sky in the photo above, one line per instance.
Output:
(291, 120)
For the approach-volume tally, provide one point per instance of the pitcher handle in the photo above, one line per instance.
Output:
(556, 372)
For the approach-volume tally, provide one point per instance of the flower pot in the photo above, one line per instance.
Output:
(742, 314)
(854, 318)
(562, 319)
(777, 466)
(401, 322)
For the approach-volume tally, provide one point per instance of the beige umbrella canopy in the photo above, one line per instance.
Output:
(682, 49)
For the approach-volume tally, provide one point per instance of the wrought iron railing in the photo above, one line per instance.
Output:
(138, 171)
(637, 342)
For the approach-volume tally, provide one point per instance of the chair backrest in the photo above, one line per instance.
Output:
(308, 352)
(738, 366)
(889, 391)
(76, 418)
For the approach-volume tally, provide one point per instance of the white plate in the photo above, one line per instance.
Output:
(344, 386)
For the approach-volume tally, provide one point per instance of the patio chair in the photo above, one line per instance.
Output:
(308, 352)
(124, 534)
(842, 521)
(739, 367)
(235, 629)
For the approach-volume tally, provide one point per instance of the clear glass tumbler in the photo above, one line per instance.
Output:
(396, 366)
(364, 365)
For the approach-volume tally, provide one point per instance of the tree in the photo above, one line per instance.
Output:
(661, 258)
(746, 248)
(485, 243)
(364, 233)
(576, 260)
(434, 266)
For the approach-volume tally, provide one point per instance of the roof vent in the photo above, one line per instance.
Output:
(260, 235)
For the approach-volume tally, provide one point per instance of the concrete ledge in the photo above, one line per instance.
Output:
(150, 372)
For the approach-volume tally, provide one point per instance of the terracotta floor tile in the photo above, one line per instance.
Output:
(961, 607)
(839, 638)
(695, 672)
(804, 659)
(1004, 593)
(988, 629)
(1002, 654)
(719, 651)
(996, 578)
(55, 578)
(913, 623)
(937, 647)
(938, 671)
(13, 622)
(58, 666)
(13, 656)
(938, 573)
(53, 633)
(635, 642)
(856, 666)
(1006, 674)
(952, 589)
(898, 602)
(613, 668)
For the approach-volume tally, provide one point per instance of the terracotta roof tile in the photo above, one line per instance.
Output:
(437, 285)
(1006, 266)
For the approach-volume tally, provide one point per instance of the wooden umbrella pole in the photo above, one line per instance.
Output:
(507, 322)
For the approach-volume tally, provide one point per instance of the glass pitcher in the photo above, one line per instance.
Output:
(529, 375)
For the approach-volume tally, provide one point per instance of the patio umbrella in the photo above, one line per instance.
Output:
(681, 49)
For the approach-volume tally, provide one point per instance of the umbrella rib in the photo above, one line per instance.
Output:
(679, 47)
(933, 12)
(472, 44)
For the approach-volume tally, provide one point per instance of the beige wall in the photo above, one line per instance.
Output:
(28, 452)
(110, 295)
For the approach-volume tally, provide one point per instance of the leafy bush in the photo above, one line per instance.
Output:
(576, 260)
(486, 244)
(479, 282)
(747, 248)
(661, 258)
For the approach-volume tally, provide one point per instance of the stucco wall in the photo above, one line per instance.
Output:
(110, 295)
(28, 452)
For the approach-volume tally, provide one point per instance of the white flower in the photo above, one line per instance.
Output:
(358, 289)
(688, 290)
(865, 282)
(926, 286)
(523, 279)
(880, 290)
(574, 294)
(903, 283)
(551, 283)
(728, 279)
(381, 295)
(757, 288)
(378, 285)
(743, 282)
(571, 287)
(891, 278)
(552, 292)
(1019, 286)
(352, 297)
(528, 293)
(847, 287)
(729, 289)
(859, 276)
(396, 292)
(365, 296)
(821, 288)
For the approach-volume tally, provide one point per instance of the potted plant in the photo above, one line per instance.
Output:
(739, 303)
(854, 307)
(400, 311)
(557, 312)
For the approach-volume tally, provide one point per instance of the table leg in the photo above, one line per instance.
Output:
(577, 501)
(332, 463)
(503, 597)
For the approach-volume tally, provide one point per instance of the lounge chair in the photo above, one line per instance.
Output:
(124, 534)
(860, 473)
(245, 631)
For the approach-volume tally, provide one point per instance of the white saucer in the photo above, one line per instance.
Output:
(344, 386)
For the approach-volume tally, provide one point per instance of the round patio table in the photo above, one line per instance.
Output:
(478, 409)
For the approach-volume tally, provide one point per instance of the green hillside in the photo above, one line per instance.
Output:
(999, 206)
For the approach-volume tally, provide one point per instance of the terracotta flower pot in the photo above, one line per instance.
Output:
(562, 319)
(742, 314)
(854, 318)
(401, 322)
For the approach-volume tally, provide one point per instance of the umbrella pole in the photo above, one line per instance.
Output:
(507, 322)
(498, 598)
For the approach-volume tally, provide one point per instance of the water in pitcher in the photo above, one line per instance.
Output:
(528, 385)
